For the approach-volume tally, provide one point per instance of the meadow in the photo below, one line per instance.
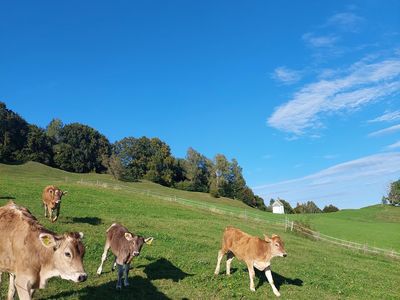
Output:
(181, 261)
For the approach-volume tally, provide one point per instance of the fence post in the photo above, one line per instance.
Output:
(291, 227)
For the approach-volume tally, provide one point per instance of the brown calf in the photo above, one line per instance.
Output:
(34, 254)
(51, 198)
(125, 246)
(254, 251)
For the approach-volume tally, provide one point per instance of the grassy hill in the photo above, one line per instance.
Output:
(181, 261)
(377, 226)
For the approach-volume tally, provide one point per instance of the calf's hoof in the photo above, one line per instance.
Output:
(277, 294)
(98, 271)
(126, 283)
(118, 286)
(252, 289)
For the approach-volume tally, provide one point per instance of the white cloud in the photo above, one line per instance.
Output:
(354, 183)
(320, 41)
(387, 117)
(394, 146)
(385, 131)
(360, 84)
(286, 75)
(346, 21)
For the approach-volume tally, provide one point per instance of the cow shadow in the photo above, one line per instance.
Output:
(279, 280)
(163, 269)
(7, 198)
(87, 220)
(139, 288)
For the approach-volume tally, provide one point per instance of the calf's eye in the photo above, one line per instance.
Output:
(67, 254)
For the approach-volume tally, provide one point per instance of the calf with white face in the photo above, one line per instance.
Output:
(125, 246)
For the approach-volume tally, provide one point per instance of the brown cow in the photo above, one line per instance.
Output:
(125, 246)
(254, 251)
(51, 198)
(34, 254)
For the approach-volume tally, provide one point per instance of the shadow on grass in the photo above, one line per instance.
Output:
(7, 198)
(279, 280)
(140, 288)
(87, 220)
(163, 269)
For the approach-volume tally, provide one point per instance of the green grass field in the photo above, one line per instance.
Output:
(180, 262)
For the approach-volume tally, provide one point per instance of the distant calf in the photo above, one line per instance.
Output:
(51, 198)
(254, 251)
(125, 246)
(34, 254)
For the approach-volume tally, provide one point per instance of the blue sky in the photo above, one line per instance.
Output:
(304, 94)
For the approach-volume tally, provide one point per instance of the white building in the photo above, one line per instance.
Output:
(277, 207)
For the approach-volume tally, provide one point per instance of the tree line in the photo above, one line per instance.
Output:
(393, 197)
(80, 148)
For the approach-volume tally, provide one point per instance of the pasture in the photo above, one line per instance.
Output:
(180, 262)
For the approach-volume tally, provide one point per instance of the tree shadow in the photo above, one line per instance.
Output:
(87, 220)
(163, 269)
(140, 288)
(7, 198)
(279, 280)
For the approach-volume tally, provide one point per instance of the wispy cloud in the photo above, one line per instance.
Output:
(387, 117)
(346, 21)
(330, 156)
(319, 41)
(394, 146)
(286, 75)
(362, 83)
(388, 130)
(340, 183)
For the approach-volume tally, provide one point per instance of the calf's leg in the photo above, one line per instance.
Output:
(221, 254)
(251, 275)
(229, 257)
(11, 287)
(45, 210)
(58, 208)
(126, 272)
(271, 281)
(120, 276)
(23, 289)
(114, 264)
(103, 257)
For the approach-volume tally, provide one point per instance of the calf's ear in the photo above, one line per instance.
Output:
(128, 236)
(273, 236)
(267, 239)
(149, 240)
(48, 240)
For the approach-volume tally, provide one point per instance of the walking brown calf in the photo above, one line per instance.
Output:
(51, 198)
(254, 251)
(34, 254)
(125, 246)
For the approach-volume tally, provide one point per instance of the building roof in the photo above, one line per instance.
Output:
(277, 203)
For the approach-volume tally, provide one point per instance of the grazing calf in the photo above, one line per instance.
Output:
(51, 198)
(125, 246)
(34, 254)
(254, 251)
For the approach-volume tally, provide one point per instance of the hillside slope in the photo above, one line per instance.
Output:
(377, 226)
(181, 261)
